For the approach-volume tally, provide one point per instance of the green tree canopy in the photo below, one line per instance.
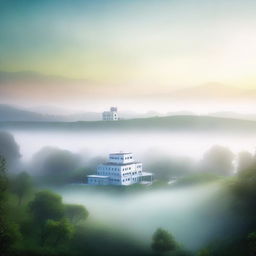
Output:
(244, 190)
(58, 231)
(46, 205)
(204, 252)
(9, 231)
(21, 185)
(252, 243)
(163, 241)
(9, 149)
(76, 213)
(245, 160)
(3, 178)
(218, 160)
(55, 165)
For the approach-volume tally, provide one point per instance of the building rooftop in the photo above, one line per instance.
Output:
(97, 176)
(120, 164)
(120, 153)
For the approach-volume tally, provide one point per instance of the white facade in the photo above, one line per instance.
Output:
(121, 169)
(111, 115)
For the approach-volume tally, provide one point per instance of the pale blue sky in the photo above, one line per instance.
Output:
(175, 43)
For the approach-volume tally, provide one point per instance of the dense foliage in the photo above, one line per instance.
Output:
(163, 241)
(41, 224)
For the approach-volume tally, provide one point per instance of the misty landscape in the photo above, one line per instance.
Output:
(192, 194)
(127, 128)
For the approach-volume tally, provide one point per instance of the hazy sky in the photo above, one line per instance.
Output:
(148, 45)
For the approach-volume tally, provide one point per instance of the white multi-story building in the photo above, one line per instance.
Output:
(121, 169)
(110, 115)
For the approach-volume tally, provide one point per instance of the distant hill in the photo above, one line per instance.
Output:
(13, 113)
(10, 113)
(170, 123)
(234, 115)
(16, 114)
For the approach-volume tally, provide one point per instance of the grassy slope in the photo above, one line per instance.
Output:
(180, 123)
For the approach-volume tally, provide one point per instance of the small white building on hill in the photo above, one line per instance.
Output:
(121, 169)
(111, 115)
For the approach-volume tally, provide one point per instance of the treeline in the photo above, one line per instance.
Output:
(54, 166)
(49, 166)
(34, 222)
(240, 238)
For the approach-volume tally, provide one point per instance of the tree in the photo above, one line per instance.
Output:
(21, 186)
(163, 241)
(244, 191)
(166, 167)
(58, 231)
(218, 160)
(3, 188)
(252, 243)
(204, 252)
(46, 205)
(3, 178)
(9, 149)
(76, 213)
(9, 231)
(55, 165)
(245, 160)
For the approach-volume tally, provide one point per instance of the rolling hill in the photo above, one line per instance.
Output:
(170, 123)
(9, 113)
